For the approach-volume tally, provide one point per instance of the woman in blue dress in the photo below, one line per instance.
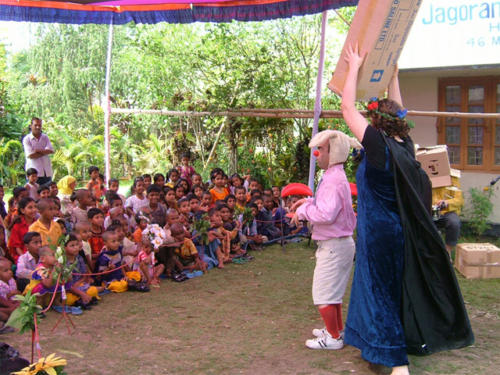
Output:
(403, 278)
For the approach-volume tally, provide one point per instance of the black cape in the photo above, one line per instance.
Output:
(433, 312)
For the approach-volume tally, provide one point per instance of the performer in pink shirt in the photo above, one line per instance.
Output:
(332, 219)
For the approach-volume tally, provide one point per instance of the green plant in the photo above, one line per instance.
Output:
(478, 210)
(201, 227)
(23, 318)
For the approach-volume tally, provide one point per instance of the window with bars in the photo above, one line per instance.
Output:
(472, 143)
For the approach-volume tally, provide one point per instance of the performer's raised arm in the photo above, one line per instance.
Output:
(354, 119)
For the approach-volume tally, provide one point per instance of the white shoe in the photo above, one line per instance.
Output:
(319, 332)
(325, 342)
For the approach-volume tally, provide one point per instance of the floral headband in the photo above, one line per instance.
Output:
(372, 108)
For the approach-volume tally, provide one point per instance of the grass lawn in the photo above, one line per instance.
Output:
(244, 319)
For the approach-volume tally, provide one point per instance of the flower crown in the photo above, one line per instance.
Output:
(372, 109)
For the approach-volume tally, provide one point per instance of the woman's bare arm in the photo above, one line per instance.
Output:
(354, 119)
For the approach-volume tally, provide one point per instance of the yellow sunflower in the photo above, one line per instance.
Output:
(46, 364)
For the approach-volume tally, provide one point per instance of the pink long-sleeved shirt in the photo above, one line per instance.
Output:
(330, 212)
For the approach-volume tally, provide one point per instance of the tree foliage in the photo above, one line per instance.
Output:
(198, 67)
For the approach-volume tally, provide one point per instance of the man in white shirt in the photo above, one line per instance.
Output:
(37, 148)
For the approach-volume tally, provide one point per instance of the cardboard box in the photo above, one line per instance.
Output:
(380, 27)
(436, 164)
(478, 260)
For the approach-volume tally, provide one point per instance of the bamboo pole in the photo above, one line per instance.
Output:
(289, 113)
(107, 110)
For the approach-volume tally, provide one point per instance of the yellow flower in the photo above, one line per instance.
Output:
(44, 364)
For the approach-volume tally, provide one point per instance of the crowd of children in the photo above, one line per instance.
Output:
(174, 226)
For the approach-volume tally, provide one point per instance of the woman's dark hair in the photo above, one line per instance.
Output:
(70, 237)
(93, 168)
(16, 192)
(391, 125)
(136, 180)
(173, 170)
(21, 205)
(157, 176)
(197, 186)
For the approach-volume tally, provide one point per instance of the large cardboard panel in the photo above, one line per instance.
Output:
(436, 164)
(380, 27)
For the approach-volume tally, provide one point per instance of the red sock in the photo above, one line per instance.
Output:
(340, 325)
(329, 315)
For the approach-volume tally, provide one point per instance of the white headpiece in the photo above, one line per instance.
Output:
(340, 144)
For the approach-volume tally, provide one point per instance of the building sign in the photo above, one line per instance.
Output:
(450, 33)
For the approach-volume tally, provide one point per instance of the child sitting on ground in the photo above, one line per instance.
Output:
(184, 211)
(135, 202)
(219, 191)
(186, 251)
(170, 199)
(206, 201)
(198, 191)
(249, 230)
(96, 218)
(49, 230)
(43, 192)
(8, 289)
(114, 186)
(150, 271)
(42, 281)
(129, 248)
(142, 222)
(196, 179)
(218, 232)
(83, 203)
(110, 259)
(27, 262)
(81, 291)
(31, 186)
(241, 198)
(83, 231)
(231, 230)
(194, 207)
(173, 176)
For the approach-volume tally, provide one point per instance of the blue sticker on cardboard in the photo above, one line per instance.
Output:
(377, 75)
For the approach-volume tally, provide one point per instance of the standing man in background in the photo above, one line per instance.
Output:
(37, 148)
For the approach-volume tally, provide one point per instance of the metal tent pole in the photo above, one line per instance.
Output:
(317, 104)
(107, 110)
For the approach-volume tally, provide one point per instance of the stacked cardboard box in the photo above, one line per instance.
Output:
(478, 260)
(435, 163)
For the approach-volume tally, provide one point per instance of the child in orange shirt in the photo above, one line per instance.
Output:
(219, 191)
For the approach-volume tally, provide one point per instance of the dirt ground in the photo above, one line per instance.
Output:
(244, 319)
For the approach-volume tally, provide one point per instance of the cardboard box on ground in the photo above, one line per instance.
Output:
(380, 27)
(436, 164)
(478, 260)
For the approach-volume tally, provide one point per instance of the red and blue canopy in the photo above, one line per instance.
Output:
(154, 11)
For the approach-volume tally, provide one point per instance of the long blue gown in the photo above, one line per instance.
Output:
(373, 323)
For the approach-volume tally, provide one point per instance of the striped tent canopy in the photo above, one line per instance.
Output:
(154, 11)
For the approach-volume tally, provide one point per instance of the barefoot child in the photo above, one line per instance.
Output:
(186, 251)
(81, 289)
(110, 259)
(149, 269)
